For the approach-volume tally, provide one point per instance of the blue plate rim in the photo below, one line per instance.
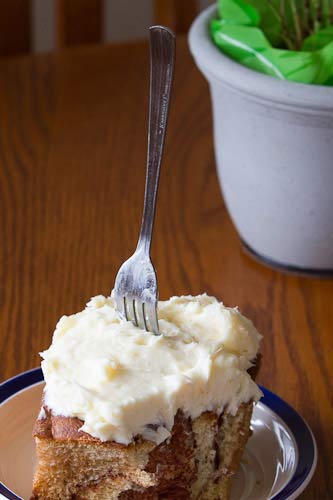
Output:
(306, 443)
(9, 388)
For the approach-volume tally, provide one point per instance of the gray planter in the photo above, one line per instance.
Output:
(274, 152)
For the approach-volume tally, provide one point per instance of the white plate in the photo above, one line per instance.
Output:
(278, 463)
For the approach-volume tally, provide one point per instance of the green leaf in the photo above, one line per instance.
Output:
(318, 40)
(245, 44)
(245, 37)
(305, 67)
(270, 20)
(238, 12)
(249, 46)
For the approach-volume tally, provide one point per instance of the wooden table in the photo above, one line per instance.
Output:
(72, 162)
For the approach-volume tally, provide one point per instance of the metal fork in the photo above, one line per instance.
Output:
(135, 290)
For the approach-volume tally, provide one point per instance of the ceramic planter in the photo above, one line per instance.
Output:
(274, 152)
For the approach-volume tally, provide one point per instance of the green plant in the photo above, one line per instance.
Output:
(288, 39)
(300, 19)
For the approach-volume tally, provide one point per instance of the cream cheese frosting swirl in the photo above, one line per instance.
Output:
(123, 381)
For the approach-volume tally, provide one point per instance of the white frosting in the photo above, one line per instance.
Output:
(122, 381)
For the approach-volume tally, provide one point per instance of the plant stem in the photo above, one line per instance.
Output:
(297, 23)
(301, 18)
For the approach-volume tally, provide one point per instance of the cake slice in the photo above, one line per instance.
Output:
(128, 415)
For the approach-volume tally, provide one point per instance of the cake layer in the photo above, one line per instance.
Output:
(121, 381)
(196, 462)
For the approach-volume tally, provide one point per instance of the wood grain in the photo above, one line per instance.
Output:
(176, 15)
(78, 22)
(72, 162)
(14, 27)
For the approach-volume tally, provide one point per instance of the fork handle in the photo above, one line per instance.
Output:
(162, 58)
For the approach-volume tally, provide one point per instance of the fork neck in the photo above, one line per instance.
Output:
(162, 55)
(144, 242)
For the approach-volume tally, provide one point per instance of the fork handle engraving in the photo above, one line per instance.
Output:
(162, 57)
